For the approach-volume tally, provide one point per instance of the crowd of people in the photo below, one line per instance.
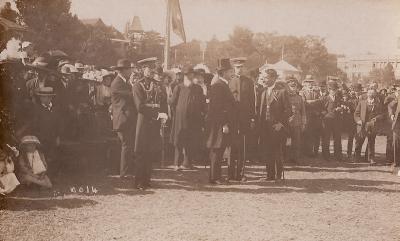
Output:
(204, 117)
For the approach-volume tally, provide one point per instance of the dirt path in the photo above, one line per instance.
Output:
(318, 201)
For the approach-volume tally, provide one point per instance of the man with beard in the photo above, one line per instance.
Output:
(273, 114)
(151, 104)
(242, 89)
(220, 118)
(188, 104)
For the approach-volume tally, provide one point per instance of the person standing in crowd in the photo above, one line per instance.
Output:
(151, 104)
(188, 104)
(124, 113)
(242, 89)
(387, 104)
(47, 126)
(394, 112)
(273, 113)
(220, 118)
(297, 121)
(367, 114)
(331, 106)
(313, 129)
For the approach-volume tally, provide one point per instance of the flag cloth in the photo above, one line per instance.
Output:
(177, 19)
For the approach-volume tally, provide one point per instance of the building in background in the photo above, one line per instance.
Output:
(360, 66)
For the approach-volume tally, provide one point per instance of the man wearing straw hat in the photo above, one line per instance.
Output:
(124, 113)
(47, 123)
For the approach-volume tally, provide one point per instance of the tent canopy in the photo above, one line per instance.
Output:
(280, 66)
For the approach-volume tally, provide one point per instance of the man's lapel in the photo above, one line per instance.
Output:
(363, 110)
(262, 102)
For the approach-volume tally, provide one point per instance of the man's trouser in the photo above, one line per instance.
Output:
(215, 166)
(332, 128)
(236, 164)
(396, 148)
(126, 138)
(370, 147)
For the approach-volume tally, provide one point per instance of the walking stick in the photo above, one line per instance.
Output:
(162, 145)
(244, 156)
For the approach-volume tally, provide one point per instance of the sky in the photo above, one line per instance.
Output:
(349, 27)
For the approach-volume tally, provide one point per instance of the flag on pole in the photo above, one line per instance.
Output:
(177, 19)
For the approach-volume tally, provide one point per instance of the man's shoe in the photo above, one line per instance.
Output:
(372, 163)
(244, 179)
(177, 168)
(216, 182)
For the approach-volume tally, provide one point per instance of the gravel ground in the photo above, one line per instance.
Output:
(317, 201)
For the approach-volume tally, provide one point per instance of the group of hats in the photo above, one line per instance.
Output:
(126, 64)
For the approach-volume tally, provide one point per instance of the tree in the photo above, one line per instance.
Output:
(52, 26)
(8, 13)
(388, 77)
(375, 75)
(242, 38)
(97, 48)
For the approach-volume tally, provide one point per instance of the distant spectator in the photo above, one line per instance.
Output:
(8, 180)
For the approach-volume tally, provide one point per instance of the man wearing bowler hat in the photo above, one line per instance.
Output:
(242, 89)
(123, 112)
(220, 118)
(273, 111)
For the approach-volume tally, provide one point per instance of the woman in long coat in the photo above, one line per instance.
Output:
(189, 106)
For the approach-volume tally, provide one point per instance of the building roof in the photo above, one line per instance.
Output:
(136, 25)
(92, 21)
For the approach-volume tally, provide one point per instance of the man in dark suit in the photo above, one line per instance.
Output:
(151, 103)
(220, 118)
(273, 112)
(394, 113)
(331, 108)
(47, 125)
(124, 113)
(368, 112)
(313, 129)
(242, 89)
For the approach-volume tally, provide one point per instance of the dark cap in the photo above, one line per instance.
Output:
(272, 73)
(188, 70)
(333, 85)
(292, 80)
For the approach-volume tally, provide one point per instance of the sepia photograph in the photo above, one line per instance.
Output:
(199, 120)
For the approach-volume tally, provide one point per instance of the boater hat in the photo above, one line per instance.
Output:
(30, 140)
(45, 91)
(122, 64)
(238, 62)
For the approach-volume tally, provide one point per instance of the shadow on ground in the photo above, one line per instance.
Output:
(27, 204)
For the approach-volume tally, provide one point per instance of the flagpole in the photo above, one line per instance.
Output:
(167, 36)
